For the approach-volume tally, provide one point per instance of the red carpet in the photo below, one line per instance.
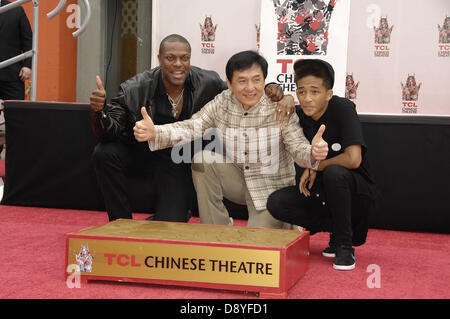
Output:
(411, 265)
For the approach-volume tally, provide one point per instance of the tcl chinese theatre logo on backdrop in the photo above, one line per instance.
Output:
(258, 36)
(444, 38)
(382, 38)
(303, 26)
(410, 94)
(351, 88)
(208, 36)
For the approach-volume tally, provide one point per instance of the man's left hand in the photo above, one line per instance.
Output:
(286, 104)
(274, 92)
(144, 130)
(319, 147)
(285, 109)
(25, 73)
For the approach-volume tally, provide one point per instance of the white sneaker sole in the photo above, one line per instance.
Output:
(329, 255)
(341, 267)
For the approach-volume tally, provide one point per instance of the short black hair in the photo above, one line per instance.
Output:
(173, 38)
(317, 68)
(245, 60)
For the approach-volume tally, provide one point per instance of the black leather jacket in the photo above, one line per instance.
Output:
(116, 120)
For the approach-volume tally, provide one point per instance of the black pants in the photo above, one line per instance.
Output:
(12, 90)
(331, 206)
(174, 191)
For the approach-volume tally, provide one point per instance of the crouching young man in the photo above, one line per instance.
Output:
(337, 195)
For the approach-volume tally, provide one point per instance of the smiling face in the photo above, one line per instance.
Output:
(313, 96)
(175, 63)
(248, 85)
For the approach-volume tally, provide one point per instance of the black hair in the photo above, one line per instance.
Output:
(245, 60)
(317, 68)
(173, 38)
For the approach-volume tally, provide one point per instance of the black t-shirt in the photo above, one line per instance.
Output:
(164, 108)
(343, 129)
(163, 115)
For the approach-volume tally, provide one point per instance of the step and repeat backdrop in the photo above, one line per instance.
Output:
(390, 57)
(398, 56)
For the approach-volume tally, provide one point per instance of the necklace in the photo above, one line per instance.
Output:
(175, 103)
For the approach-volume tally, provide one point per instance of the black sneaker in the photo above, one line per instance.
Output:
(345, 258)
(329, 252)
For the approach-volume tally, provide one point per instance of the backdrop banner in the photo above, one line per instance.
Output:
(398, 57)
(390, 57)
(293, 30)
(215, 29)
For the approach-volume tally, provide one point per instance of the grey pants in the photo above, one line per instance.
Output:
(214, 179)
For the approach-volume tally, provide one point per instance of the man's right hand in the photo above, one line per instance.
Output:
(98, 96)
(144, 130)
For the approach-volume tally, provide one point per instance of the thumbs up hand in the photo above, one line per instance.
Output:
(319, 149)
(144, 130)
(98, 96)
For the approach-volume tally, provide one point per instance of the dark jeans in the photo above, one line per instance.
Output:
(12, 90)
(330, 207)
(174, 190)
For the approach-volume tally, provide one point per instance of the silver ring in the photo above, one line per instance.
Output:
(279, 110)
(288, 112)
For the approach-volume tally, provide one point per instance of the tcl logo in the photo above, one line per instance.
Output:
(122, 260)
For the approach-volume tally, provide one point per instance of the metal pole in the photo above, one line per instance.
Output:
(16, 59)
(86, 20)
(13, 5)
(58, 8)
(35, 50)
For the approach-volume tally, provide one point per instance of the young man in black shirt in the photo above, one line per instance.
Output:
(337, 197)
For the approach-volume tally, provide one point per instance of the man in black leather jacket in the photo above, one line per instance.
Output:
(171, 92)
